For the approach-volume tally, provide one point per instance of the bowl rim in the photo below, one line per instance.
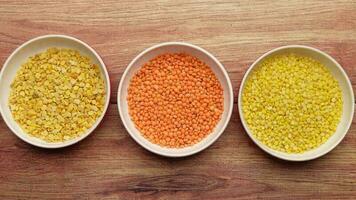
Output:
(229, 111)
(95, 125)
(264, 147)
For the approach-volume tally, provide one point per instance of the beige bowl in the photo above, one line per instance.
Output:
(19, 56)
(173, 47)
(348, 104)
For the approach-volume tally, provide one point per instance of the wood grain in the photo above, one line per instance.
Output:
(110, 165)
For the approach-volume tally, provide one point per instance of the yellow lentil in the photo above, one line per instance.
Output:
(292, 103)
(175, 100)
(57, 95)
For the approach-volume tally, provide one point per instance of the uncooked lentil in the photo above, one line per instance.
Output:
(57, 95)
(292, 103)
(175, 100)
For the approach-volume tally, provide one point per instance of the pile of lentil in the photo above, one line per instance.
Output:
(57, 95)
(292, 103)
(175, 100)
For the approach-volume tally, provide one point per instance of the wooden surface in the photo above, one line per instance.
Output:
(110, 165)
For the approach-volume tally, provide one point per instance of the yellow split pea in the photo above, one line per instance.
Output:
(57, 95)
(292, 103)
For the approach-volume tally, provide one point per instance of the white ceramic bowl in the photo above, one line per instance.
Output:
(19, 56)
(347, 92)
(174, 47)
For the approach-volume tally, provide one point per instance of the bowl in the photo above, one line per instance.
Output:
(347, 93)
(19, 56)
(175, 47)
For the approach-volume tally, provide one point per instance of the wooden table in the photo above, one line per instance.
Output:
(110, 165)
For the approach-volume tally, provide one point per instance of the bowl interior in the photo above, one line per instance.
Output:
(20, 56)
(175, 48)
(348, 102)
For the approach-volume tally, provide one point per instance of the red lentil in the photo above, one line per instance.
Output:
(175, 100)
